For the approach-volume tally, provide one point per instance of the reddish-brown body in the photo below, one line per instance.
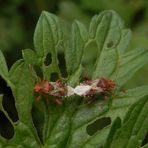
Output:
(43, 87)
(106, 85)
(58, 89)
(99, 85)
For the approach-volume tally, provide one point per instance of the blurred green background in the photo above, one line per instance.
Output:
(19, 17)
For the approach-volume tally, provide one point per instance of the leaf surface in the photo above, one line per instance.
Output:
(47, 38)
(134, 126)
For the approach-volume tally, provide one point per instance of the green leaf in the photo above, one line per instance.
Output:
(3, 66)
(14, 67)
(74, 78)
(30, 57)
(134, 126)
(112, 40)
(3, 110)
(2, 142)
(85, 114)
(60, 123)
(47, 34)
(118, 108)
(22, 89)
(129, 64)
(122, 102)
(116, 125)
(107, 30)
(74, 53)
(47, 38)
(22, 138)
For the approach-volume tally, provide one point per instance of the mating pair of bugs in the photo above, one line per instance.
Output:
(88, 88)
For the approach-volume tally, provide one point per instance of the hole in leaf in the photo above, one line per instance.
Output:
(38, 71)
(6, 128)
(145, 141)
(8, 101)
(3, 86)
(37, 117)
(62, 64)
(110, 44)
(98, 125)
(48, 59)
(54, 76)
(9, 106)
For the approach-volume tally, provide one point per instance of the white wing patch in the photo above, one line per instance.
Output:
(70, 91)
(82, 90)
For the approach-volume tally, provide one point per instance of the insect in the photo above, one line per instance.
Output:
(92, 87)
(88, 88)
(56, 89)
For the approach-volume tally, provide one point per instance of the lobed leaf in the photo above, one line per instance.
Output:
(129, 64)
(47, 38)
(116, 125)
(22, 138)
(22, 88)
(30, 57)
(79, 37)
(118, 108)
(112, 41)
(106, 29)
(74, 54)
(134, 126)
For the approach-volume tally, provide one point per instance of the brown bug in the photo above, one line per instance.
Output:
(56, 89)
(90, 88)
(87, 89)
(97, 86)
